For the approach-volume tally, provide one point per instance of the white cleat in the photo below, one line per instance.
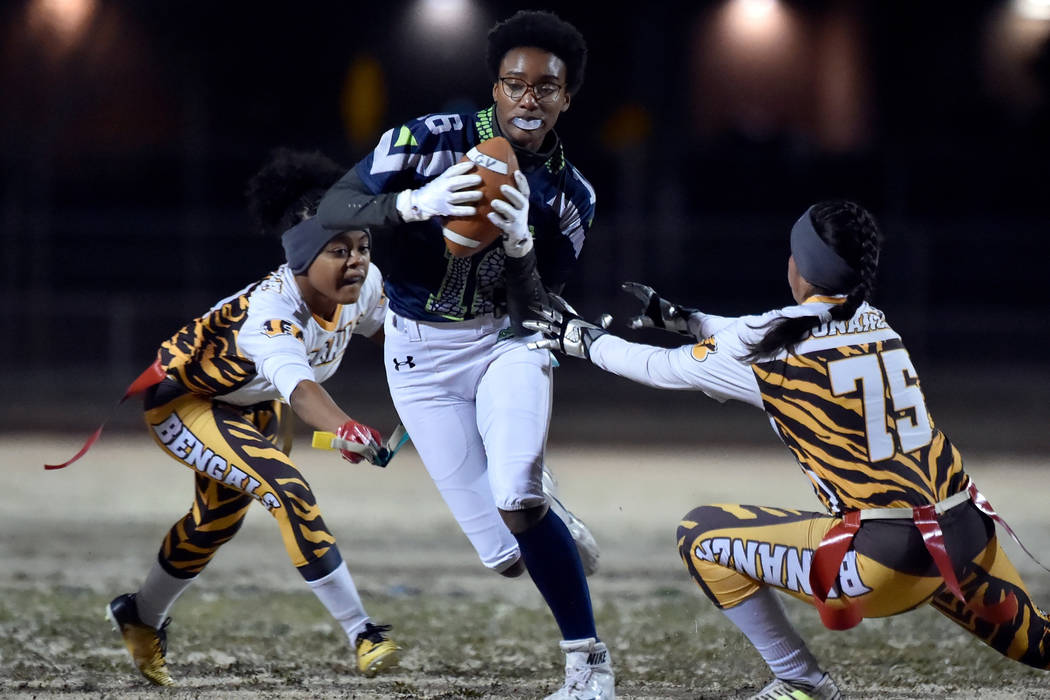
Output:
(586, 545)
(588, 672)
(783, 690)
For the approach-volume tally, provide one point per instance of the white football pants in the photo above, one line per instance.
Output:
(477, 408)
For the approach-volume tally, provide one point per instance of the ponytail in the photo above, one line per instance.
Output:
(851, 231)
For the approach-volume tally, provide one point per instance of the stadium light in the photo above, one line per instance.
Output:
(1033, 9)
(437, 32)
(445, 15)
(1012, 38)
(65, 19)
(748, 20)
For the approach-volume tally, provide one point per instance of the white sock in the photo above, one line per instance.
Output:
(762, 620)
(158, 593)
(337, 593)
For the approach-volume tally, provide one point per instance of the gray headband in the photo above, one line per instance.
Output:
(303, 242)
(817, 261)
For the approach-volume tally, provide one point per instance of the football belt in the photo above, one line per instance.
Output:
(153, 375)
(828, 557)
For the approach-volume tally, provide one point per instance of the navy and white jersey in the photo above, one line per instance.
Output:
(423, 281)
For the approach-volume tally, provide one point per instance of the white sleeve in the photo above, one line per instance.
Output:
(703, 325)
(285, 370)
(272, 338)
(711, 365)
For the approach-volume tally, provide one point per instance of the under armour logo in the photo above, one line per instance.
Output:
(398, 364)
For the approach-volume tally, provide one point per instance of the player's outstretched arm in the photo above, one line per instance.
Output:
(316, 407)
(564, 330)
(657, 312)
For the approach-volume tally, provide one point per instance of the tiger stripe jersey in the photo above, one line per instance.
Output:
(258, 344)
(847, 402)
(423, 281)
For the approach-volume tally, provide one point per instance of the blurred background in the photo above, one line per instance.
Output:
(129, 130)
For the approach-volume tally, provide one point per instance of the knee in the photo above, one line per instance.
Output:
(204, 535)
(691, 526)
(516, 569)
(235, 526)
(518, 521)
(698, 518)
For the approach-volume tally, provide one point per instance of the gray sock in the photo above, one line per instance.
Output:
(158, 593)
(762, 620)
(337, 593)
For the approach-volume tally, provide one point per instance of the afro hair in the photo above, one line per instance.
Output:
(288, 188)
(544, 30)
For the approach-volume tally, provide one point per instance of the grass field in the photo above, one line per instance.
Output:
(71, 540)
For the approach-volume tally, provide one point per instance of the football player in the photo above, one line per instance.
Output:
(219, 403)
(473, 397)
(904, 523)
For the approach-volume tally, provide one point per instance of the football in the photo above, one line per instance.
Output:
(495, 161)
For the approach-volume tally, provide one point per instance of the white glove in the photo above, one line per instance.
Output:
(512, 217)
(442, 196)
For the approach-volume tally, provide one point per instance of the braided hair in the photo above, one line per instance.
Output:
(851, 231)
(288, 188)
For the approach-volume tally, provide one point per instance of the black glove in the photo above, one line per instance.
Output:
(657, 312)
(525, 290)
(565, 331)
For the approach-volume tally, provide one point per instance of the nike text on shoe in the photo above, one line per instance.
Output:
(585, 542)
(795, 690)
(146, 644)
(588, 672)
(375, 651)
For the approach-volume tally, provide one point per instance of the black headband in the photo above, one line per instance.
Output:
(303, 242)
(817, 261)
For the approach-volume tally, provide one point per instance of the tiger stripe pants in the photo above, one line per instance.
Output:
(732, 550)
(238, 455)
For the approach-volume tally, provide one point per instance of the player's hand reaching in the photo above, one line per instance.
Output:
(658, 312)
(446, 195)
(511, 216)
(368, 437)
(565, 331)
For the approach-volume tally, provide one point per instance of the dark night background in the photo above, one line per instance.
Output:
(129, 130)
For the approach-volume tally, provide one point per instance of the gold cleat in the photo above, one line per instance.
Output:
(146, 644)
(375, 651)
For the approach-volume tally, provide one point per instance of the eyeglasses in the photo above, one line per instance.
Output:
(515, 89)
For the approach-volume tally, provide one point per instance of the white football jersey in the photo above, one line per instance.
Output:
(847, 402)
(258, 344)
(713, 365)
